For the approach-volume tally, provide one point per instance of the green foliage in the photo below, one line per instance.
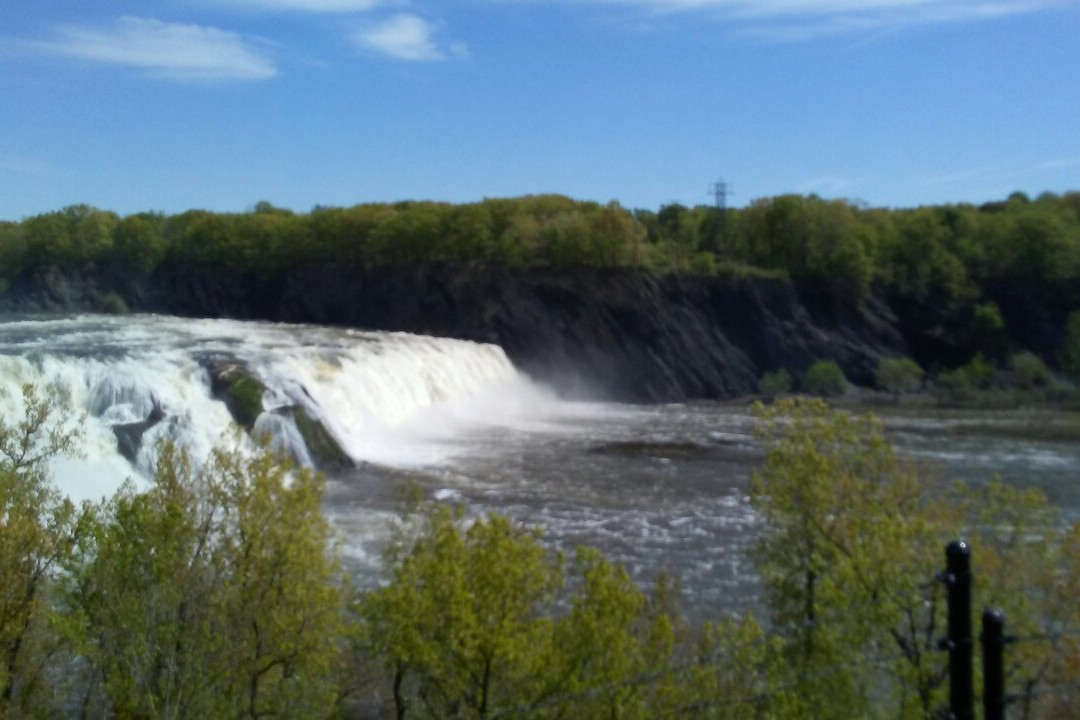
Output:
(37, 530)
(935, 265)
(215, 592)
(898, 375)
(987, 330)
(69, 237)
(960, 384)
(963, 384)
(12, 249)
(741, 271)
(825, 378)
(113, 304)
(1029, 371)
(324, 450)
(852, 543)
(244, 398)
(231, 604)
(139, 242)
(822, 243)
(476, 621)
(1070, 348)
(703, 263)
(821, 554)
(776, 382)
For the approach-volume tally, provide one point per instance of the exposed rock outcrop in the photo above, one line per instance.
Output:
(617, 334)
(129, 435)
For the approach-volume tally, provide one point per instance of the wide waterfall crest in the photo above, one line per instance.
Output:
(142, 379)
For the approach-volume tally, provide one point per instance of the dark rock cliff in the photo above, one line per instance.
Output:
(611, 333)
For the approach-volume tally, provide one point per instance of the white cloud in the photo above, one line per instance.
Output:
(313, 6)
(26, 166)
(795, 20)
(826, 185)
(169, 50)
(930, 9)
(406, 37)
(1058, 164)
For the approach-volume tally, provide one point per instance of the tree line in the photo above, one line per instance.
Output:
(942, 269)
(216, 591)
(942, 254)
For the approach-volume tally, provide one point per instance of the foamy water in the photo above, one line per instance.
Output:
(373, 392)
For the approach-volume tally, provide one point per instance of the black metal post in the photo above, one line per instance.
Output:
(993, 651)
(958, 582)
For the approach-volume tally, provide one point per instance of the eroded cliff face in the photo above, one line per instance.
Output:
(615, 334)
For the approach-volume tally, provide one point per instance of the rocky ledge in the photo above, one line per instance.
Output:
(615, 334)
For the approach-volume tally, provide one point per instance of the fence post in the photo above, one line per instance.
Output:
(993, 646)
(958, 583)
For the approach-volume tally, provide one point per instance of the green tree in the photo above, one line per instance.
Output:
(475, 623)
(213, 593)
(457, 627)
(853, 540)
(145, 591)
(898, 375)
(1070, 349)
(12, 250)
(1029, 371)
(284, 599)
(37, 531)
(776, 382)
(139, 241)
(825, 378)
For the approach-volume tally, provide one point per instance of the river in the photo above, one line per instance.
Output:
(658, 487)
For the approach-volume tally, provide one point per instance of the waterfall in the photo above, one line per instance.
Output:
(141, 379)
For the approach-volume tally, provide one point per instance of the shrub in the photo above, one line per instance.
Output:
(113, 304)
(954, 383)
(704, 263)
(960, 384)
(898, 375)
(1070, 352)
(825, 378)
(1029, 372)
(980, 373)
(777, 382)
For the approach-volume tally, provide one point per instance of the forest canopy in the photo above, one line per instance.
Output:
(942, 255)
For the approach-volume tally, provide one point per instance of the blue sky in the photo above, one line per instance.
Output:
(217, 104)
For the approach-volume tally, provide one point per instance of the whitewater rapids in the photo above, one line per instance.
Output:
(381, 396)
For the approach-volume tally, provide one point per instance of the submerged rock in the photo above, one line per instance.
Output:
(324, 450)
(657, 450)
(239, 388)
(242, 392)
(129, 435)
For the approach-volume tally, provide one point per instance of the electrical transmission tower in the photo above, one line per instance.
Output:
(720, 191)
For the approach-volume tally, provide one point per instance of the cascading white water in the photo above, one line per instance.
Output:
(373, 392)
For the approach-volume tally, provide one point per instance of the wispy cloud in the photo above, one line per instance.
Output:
(799, 20)
(173, 51)
(406, 37)
(311, 6)
(26, 166)
(825, 185)
(951, 177)
(1014, 173)
(1057, 164)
